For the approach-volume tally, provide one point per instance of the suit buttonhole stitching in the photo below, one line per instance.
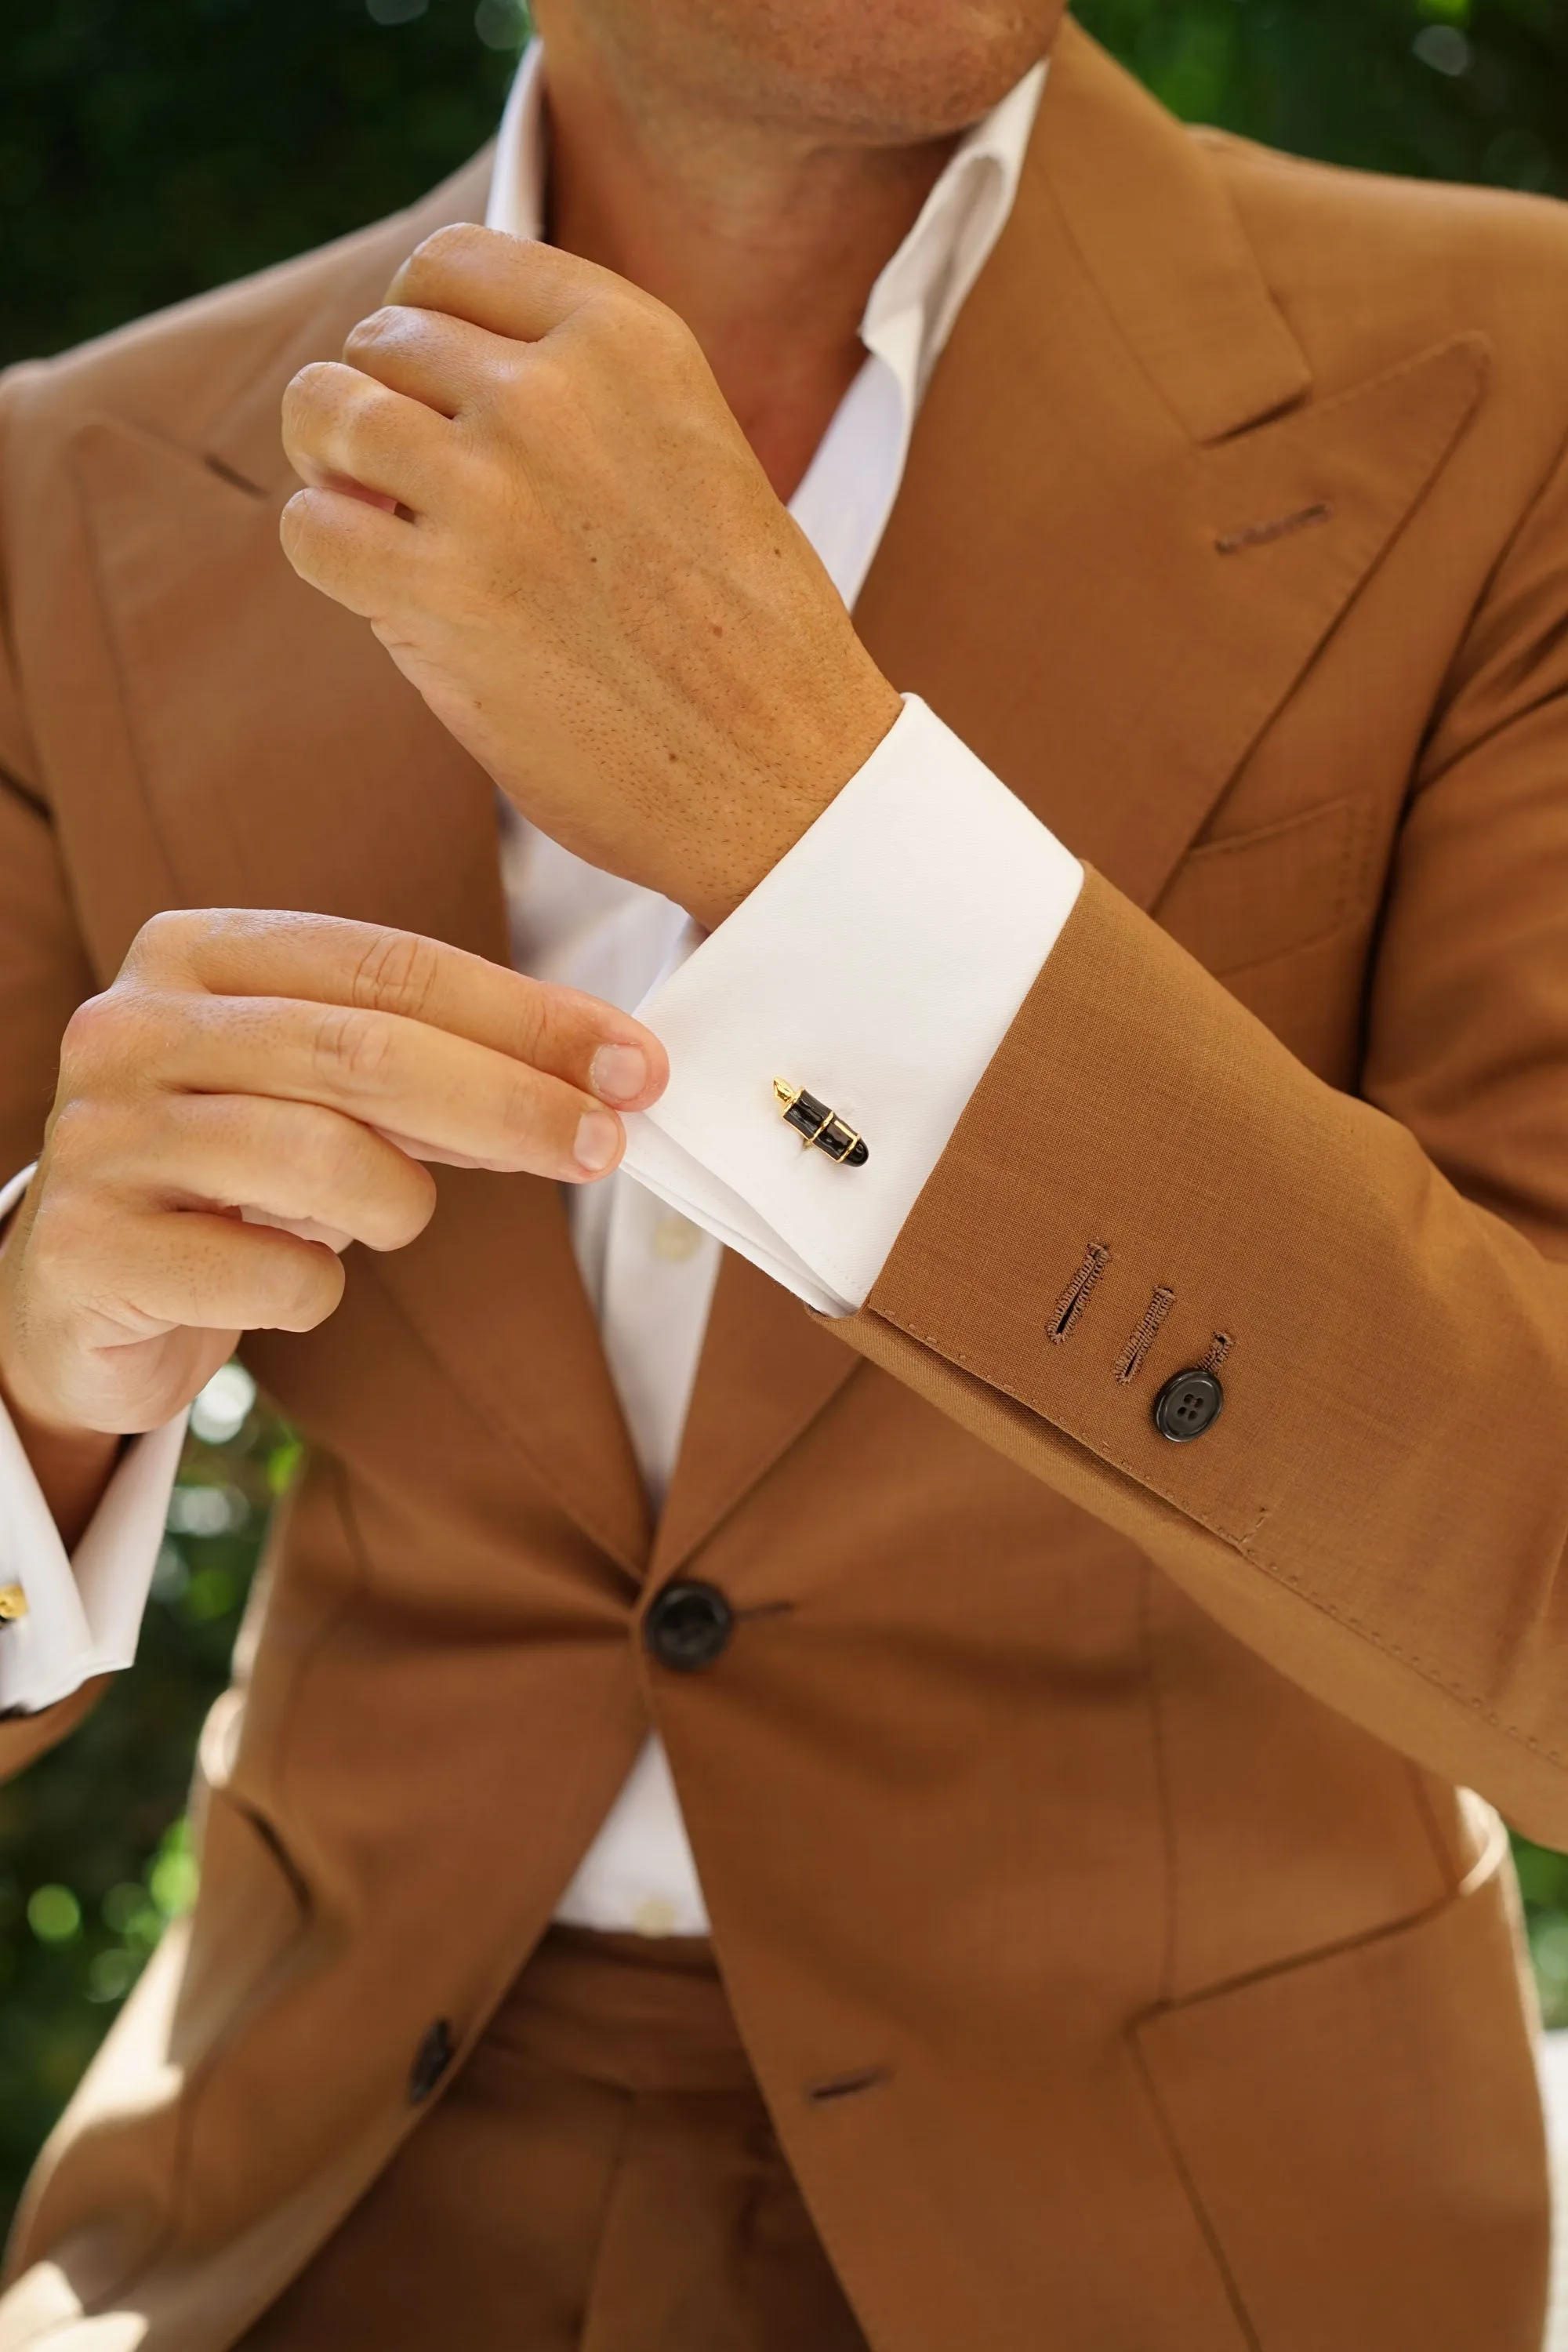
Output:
(1067, 1312)
(1130, 1362)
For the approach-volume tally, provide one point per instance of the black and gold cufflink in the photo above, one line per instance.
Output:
(815, 1123)
(13, 1604)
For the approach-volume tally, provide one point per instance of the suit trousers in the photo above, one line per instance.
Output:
(601, 2177)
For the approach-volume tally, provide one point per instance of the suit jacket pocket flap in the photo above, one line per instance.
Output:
(1361, 2133)
(1262, 893)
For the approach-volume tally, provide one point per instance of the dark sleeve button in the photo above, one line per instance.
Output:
(431, 2060)
(1188, 1405)
(688, 1626)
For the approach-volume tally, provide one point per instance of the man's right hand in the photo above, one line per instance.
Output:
(298, 1068)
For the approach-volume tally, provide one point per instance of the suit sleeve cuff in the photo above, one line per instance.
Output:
(84, 1612)
(878, 966)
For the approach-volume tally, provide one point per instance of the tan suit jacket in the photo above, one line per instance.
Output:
(1076, 1811)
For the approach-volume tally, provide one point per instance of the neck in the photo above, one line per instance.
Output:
(766, 241)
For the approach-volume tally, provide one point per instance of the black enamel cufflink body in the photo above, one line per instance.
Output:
(815, 1123)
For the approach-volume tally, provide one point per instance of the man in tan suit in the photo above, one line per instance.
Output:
(1073, 1646)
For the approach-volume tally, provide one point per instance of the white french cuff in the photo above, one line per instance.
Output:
(84, 1612)
(878, 966)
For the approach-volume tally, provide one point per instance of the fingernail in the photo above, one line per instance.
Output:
(619, 1074)
(597, 1141)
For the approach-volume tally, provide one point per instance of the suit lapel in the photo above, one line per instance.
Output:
(767, 1371)
(287, 764)
(1122, 534)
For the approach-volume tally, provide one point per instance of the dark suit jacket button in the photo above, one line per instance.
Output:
(689, 1626)
(431, 2060)
(1188, 1405)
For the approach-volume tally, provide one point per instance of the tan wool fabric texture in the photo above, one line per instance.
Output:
(1114, 1952)
(602, 2177)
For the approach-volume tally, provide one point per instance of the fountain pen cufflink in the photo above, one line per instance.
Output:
(815, 1123)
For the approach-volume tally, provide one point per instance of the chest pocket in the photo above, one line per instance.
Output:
(1252, 896)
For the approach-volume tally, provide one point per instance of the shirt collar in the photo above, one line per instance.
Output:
(516, 183)
(924, 286)
(919, 293)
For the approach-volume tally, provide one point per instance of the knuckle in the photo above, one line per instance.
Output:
(549, 381)
(407, 1208)
(396, 973)
(543, 1023)
(309, 385)
(296, 524)
(304, 403)
(352, 1044)
(92, 1034)
(309, 1287)
(630, 315)
(451, 244)
(58, 1219)
(325, 1164)
(379, 330)
(521, 1113)
(117, 1044)
(73, 1144)
(165, 939)
(64, 1238)
(663, 327)
(366, 408)
(112, 1044)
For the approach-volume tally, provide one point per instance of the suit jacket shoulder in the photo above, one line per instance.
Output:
(1368, 268)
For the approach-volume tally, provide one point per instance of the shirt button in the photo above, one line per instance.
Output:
(654, 1915)
(1188, 1405)
(675, 1238)
(688, 1626)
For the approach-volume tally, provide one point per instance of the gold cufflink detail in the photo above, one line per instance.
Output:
(13, 1604)
(815, 1123)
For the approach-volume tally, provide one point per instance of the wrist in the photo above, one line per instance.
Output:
(735, 857)
(72, 1464)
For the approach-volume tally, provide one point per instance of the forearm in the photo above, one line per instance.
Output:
(1380, 1509)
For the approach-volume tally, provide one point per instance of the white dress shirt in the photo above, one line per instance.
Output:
(931, 898)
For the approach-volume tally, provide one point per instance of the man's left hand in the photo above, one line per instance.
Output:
(525, 478)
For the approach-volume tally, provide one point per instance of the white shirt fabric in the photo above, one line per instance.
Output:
(930, 898)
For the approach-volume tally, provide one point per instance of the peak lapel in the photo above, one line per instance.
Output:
(767, 1370)
(286, 763)
(1123, 531)
(1085, 574)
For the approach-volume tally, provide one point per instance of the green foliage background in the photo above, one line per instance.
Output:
(151, 148)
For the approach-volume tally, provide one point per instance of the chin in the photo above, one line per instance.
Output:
(880, 71)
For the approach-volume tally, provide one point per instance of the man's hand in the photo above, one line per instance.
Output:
(526, 479)
(302, 1069)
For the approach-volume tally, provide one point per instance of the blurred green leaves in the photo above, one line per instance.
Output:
(95, 1857)
(1462, 89)
(152, 148)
